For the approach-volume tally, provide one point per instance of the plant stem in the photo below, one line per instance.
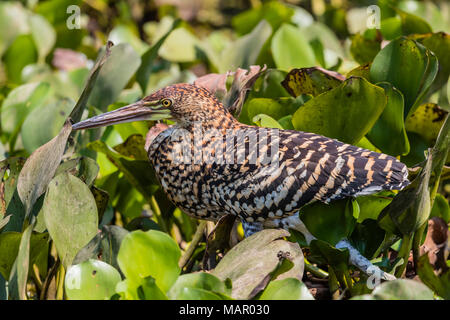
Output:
(416, 243)
(315, 270)
(157, 212)
(195, 240)
(404, 253)
(60, 282)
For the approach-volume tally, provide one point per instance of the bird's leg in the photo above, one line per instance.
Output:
(356, 258)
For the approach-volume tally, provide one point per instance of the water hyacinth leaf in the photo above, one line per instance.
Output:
(91, 280)
(371, 206)
(197, 294)
(19, 273)
(441, 208)
(21, 53)
(330, 113)
(263, 120)
(77, 111)
(13, 22)
(390, 124)
(197, 280)
(44, 122)
(40, 168)
(403, 289)
(313, 81)
(286, 289)
(44, 35)
(330, 222)
(275, 108)
(18, 104)
(244, 51)
(286, 122)
(270, 85)
(364, 49)
(154, 254)
(123, 33)
(84, 168)
(410, 209)
(290, 49)
(139, 173)
(412, 23)
(367, 237)
(149, 290)
(426, 121)
(261, 258)
(71, 221)
(439, 44)
(273, 12)
(104, 246)
(120, 66)
(148, 58)
(181, 45)
(408, 66)
(10, 203)
(9, 249)
(440, 284)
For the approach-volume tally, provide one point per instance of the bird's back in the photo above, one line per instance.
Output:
(263, 173)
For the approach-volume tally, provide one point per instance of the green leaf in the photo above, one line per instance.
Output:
(104, 246)
(330, 222)
(9, 249)
(439, 284)
(273, 12)
(263, 120)
(91, 280)
(44, 35)
(152, 253)
(275, 108)
(198, 280)
(371, 206)
(286, 289)
(114, 75)
(21, 53)
(71, 221)
(150, 291)
(408, 66)
(139, 173)
(441, 208)
(290, 49)
(346, 112)
(313, 81)
(180, 46)
(44, 122)
(252, 260)
(197, 294)
(363, 49)
(243, 52)
(400, 289)
(148, 58)
(77, 111)
(390, 124)
(17, 287)
(426, 121)
(40, 168)
(412, 23)
(13, 21)
(18, 104)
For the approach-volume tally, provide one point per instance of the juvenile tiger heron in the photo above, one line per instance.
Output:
(211, 165)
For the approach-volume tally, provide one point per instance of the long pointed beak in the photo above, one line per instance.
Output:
(141, 110)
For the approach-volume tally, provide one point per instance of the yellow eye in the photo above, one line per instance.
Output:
(166, 103)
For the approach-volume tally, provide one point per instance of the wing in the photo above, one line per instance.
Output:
(305, 168)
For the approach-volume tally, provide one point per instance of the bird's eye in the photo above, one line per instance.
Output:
(166, 103)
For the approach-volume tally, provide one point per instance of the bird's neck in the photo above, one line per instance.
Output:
(217, 120)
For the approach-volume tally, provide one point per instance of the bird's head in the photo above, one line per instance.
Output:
(183, 103)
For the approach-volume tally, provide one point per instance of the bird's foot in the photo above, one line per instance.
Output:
(355, 257)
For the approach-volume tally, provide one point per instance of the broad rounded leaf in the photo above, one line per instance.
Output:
(91, 280)
(70, 214)
(290, 49)
(152, 253)
(346, 112)
(252, 260)
(390, 124)
(198, 280)
(286, 289)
